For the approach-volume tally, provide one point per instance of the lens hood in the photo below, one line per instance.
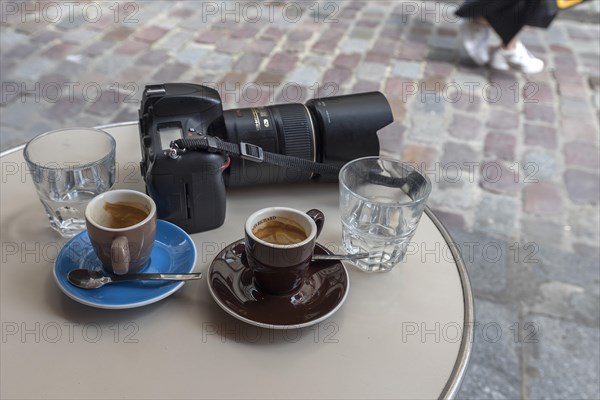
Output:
(347, 125)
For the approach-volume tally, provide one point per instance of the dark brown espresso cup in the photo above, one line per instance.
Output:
(121, 225)
(280, 243)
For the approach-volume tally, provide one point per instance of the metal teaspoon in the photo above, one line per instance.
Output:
(339, 257)
(89, 279)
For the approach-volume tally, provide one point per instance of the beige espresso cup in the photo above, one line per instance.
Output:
(121, 225)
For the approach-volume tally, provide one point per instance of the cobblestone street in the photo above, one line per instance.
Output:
(514, 159)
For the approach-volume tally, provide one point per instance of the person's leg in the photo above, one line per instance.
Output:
(481, 21)
(512, 44)
(475, 34)
(514, 55)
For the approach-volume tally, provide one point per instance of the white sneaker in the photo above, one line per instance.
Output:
(475, 40)
(519, 59)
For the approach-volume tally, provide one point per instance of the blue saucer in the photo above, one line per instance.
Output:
(173, 252)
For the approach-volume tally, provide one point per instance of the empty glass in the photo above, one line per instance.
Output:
(70, 167)
(381, 202)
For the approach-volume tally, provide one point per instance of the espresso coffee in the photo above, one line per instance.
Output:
(123, 215)
(281, 231)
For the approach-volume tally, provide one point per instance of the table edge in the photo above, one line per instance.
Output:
(106, 126)
(460, 367)
(458, 371)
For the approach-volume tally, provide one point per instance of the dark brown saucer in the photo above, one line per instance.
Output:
(232, 285)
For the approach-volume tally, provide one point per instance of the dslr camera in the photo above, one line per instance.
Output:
(189, 190)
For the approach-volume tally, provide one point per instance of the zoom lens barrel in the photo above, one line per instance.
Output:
(332, 130)
(284, 129)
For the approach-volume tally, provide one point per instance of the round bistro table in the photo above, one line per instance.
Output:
(402, 334)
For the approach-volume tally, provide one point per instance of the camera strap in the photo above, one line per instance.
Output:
(249, 152)
(409, 184)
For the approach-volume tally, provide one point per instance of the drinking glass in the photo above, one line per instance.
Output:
(70, 167)
(381, 202)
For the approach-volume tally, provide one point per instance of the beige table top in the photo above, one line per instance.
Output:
(403, 334)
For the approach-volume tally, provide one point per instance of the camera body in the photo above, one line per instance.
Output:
(189, 191)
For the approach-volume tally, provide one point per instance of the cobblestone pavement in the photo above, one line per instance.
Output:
(514, 159)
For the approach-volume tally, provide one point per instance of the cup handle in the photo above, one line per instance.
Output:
(119, 255)
(318, 217)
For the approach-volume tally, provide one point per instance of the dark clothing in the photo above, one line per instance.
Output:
(508, 17)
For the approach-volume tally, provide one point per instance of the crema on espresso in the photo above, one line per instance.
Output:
(122, 215)
(280, 231)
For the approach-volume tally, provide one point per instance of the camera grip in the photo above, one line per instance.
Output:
(120, 255)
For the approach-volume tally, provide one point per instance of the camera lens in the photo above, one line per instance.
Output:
(332, 130)
(284, 129)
